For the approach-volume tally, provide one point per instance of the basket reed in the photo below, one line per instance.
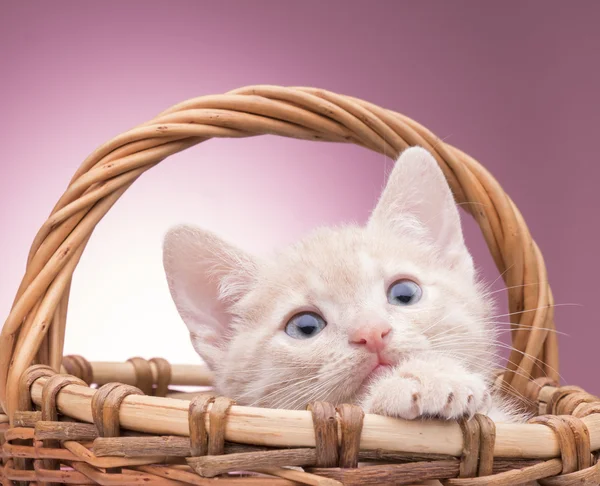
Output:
(133, 429)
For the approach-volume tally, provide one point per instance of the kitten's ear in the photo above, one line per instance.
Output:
(417, 200)
(206, 277)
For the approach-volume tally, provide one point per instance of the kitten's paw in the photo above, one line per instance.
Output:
(439, 394)
(457, 397)
(395, 397)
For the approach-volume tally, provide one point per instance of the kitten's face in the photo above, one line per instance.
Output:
(345, 276)
(358, 321)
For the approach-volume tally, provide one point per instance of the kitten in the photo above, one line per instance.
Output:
(389, 316)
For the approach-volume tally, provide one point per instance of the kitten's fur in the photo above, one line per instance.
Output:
(440, 350)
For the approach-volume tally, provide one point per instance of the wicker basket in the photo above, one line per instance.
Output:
(129, 428)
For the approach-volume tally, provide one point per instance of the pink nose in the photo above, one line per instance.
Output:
(372, 336)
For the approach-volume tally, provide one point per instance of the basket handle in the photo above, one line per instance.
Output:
(35, 327)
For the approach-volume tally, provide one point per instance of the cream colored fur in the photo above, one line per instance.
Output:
(440, 349)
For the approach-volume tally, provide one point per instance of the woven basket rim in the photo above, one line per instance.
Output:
(497, 454)
(255, 425)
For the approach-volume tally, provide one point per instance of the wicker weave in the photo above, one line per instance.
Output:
(210, 436)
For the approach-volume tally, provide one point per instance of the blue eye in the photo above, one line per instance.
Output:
(404, 292)
(305, 325)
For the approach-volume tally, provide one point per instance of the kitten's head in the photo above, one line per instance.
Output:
(320, 319)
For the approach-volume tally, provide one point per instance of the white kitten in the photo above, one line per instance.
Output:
(389, 316)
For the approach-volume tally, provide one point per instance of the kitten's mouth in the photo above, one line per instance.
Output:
(380, 368)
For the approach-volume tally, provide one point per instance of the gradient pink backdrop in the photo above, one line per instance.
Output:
(515, 84)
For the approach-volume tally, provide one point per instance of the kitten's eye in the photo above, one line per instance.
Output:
(305, 325)
(404, 292)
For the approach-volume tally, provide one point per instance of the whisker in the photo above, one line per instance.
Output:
(523, 353)
(514, 287)
(295, 383)
(536, 308)
(501, 275)
(529, 328)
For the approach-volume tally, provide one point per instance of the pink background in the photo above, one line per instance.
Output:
(515, 84)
